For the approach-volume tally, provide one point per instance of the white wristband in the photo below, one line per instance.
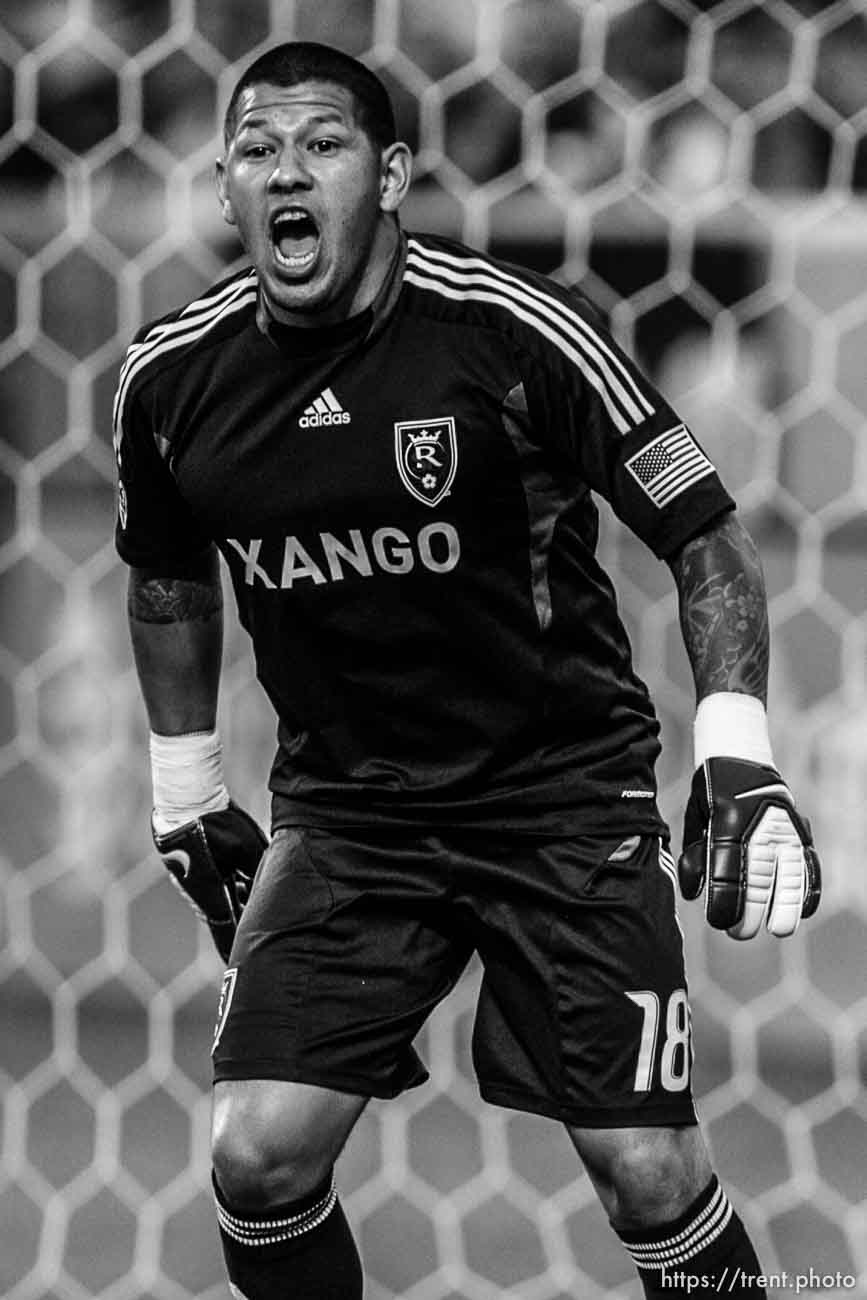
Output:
(187, 775)
(731, 725)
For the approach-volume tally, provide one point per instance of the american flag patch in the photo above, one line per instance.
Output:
(669, 465)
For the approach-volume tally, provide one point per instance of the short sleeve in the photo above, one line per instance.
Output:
(155, 527)
(622, 436)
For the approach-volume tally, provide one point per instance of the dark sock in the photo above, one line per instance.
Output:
(303, 1250)
(706, 1249)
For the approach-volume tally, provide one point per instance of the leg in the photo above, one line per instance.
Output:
(664, 1202)
(338, 959)
(583, 1015)
(283, 1230)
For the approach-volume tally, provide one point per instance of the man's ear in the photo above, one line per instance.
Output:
(395, 176)
(225, 202)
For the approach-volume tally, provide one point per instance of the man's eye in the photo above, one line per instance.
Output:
(255, 151)
(324, 146)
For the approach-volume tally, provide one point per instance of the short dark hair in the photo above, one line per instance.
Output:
(298, 61)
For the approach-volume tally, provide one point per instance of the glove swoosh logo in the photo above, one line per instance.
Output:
(181, 858)
(779, 788)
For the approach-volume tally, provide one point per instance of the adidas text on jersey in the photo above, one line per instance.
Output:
(325, 410)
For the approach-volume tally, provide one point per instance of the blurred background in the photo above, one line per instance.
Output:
(698, 169)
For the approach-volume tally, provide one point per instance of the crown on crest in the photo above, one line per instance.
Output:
(425, 438)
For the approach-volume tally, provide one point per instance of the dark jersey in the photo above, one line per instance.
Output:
(404, 503)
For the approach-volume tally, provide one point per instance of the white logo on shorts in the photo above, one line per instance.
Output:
(227, 990)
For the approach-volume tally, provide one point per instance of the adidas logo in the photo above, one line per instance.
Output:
(325, 410)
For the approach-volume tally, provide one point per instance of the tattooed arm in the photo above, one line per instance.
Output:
(176, 625)
(210, 846)
(723, 610)
(743, 840)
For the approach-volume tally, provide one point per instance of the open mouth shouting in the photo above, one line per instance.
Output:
(295, 239)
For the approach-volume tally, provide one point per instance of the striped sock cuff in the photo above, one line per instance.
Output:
(281, 1224)
(672, 1245)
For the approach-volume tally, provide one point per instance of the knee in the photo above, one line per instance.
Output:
(646, 1177)
(261, 1158)
(651, 1182)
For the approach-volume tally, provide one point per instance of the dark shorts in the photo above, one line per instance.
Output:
(351, 939)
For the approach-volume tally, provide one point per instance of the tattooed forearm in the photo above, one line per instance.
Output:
(176, 628)
(723, 610)
(152, 598)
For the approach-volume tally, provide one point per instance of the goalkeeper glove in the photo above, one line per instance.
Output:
(747, 845)
(209, 845)
(743, 839)
(213, 861)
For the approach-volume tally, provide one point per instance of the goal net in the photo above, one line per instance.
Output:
(698, 169)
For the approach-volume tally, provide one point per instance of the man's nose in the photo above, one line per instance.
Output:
(290, 170)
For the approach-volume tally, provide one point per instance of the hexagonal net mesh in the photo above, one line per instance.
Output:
(699, 169)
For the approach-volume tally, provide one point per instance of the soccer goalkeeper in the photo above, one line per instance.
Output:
(395, 442)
